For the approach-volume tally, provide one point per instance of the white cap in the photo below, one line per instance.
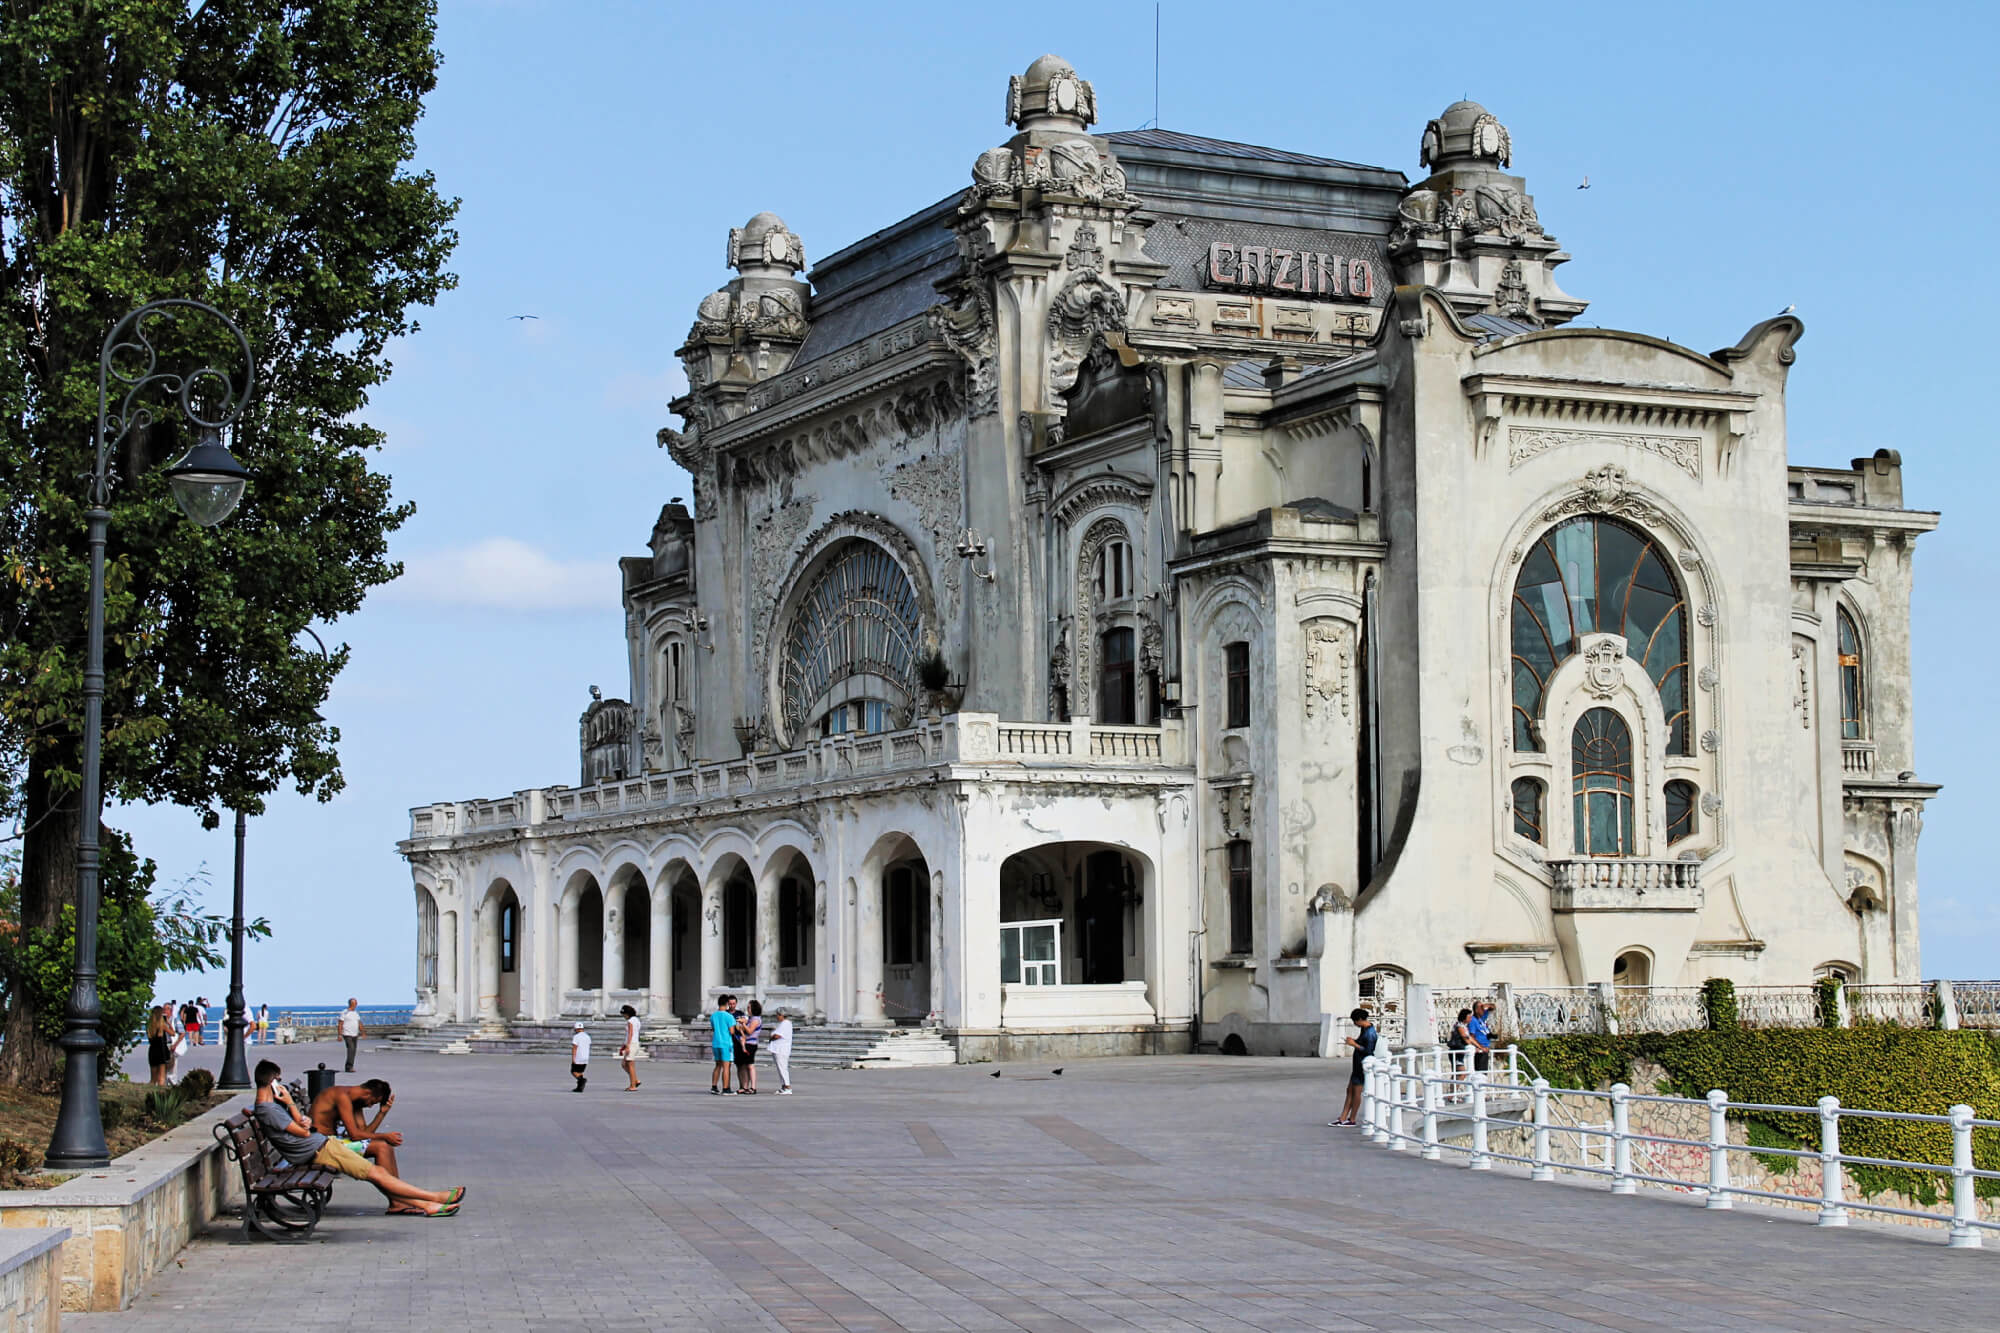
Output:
(579, 1027)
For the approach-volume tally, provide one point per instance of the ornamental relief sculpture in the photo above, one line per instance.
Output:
(1525, 444)
(1084, 306)
(1085, 602)
(771, 542)
(1604, 665)
(1329, 661)
(933, 486)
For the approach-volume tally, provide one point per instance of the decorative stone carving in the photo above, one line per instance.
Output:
(1710, 740)
(1711, 804)
(1416, 216)
(1079, 168)
(1234, 798)
(1152, 645)
(967, 326)
(1604, 490)
(1604, 665)
(1511, 297)
(1527, 443)
(1329, 658)
(1707, 679)
(932, 485)
(1705, 615)
(1059, 675)
(1050, 90)
(1085, 306)
(1801, 686)
(1084, 603)
(1506, 210)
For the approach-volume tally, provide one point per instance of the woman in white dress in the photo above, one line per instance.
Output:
(630, 1050)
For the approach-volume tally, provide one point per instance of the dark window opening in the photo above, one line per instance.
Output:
(1682, 802)
(794, 922)
(1528, 809)
(510, 927)
(1236, 671)
(906, 919)
(1239, 897)
(739, 906)
(1115, 679)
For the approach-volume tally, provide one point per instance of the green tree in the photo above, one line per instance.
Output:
(253, 154)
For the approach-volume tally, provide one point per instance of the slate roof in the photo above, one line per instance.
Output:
(1196, 143)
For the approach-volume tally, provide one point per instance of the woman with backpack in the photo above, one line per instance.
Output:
(1460, 1043)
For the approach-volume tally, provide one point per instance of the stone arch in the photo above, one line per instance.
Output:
(500, 926)
(729, 912)
(819, 550)
(1096, 891)
(1632, 966)
(788, 911)
(895, 921)
(678, 895)
(580, 936)
(628, 935)
(1382, 989)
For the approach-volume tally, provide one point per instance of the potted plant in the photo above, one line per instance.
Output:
(934, 674)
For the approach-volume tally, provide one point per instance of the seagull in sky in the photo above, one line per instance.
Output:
(1585, 185)
(524, 316)
(1788, 310)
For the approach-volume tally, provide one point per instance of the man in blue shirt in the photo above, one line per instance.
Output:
(722, 1045)
(1482, 1040)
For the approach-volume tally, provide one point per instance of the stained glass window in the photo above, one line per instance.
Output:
(1597, 576)
(858, 617)
(1528, 808)
(1601, 765)
(1852, 683)
(1681, 804)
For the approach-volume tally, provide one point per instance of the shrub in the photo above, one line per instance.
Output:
(1877, 1067)
(933, 673)
(1718, 995)
(15, 1158)
(1828, 996)
(198, 1084)
(112, 1114)
(166, 1107)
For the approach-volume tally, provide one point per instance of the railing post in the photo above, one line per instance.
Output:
(1947, 1003)
(1368, 1097)
(1606, 1003)
(1513, 1065)
(1378, 1125)
(1544, 1169)
(1832, 1213)
(1510, 1017)
(1431, 1150)
(1964, 1205)
(1398, 1094)
(1480, 1161)
(1621, 1145)
(1718, 1149)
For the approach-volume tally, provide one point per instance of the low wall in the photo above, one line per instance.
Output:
(128, 1221)
(31, 1279)
(1040, 1008)
(975, 1045)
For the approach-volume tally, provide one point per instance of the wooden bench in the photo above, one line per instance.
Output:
(280, 1200)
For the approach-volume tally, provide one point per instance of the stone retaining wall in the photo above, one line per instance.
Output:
(128, 1221)
(31, 1279)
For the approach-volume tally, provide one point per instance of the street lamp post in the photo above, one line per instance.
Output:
(207, 482)
(235, 1076)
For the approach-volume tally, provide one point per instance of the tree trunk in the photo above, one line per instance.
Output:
(48, 882)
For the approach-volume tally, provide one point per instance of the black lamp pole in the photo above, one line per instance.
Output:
(207, 482)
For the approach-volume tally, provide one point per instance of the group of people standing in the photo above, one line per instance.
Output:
(734, 1040)
(171, 1029)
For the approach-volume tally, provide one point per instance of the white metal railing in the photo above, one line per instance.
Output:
(1777, 1006)
(1977, 1003)
(1554, 1011)
(962, 738)
(1906, 1006)
(1660, 1008)
(1411, 1087)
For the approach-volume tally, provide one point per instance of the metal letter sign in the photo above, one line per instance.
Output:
(1258, 268)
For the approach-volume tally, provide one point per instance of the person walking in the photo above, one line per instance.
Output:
(1363, 1042)
(198, 1021)
(350, 1029)
(159, 1044)
(264, 1024)
(747, 1033)
(579, 1056)
(629, 1052)
(722, 1045)
(190, 1025)
(781, 1050)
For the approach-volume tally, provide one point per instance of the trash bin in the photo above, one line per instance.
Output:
(318, 1081)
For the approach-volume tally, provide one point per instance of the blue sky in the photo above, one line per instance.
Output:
(1741, 158)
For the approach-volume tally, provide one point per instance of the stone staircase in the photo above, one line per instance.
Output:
(812, 1047)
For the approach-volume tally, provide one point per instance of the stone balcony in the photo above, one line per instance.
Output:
(1857, 759)
(981, 741)
(1624, 884)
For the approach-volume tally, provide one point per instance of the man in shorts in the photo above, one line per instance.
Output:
(722, 1045)
(1363, 1042)
(298, 1143)
(337, 1113)
(579, 1056)
(350, 1030)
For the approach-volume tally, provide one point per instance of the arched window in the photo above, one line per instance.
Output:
(858, 618)
(1682, 801)
(1853, 684)
(1597, 576)
(1113, 576)
(510, 929)
(1601, 764)
(1528, 795)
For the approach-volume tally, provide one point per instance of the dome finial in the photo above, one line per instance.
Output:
(1466, 132)
(1050, 96)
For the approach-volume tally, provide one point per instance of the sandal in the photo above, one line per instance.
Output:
(443, 1210)
(453, 1195)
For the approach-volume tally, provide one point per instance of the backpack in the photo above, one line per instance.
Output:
(1457, 1042)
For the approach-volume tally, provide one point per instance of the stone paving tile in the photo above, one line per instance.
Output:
(1139, 1194)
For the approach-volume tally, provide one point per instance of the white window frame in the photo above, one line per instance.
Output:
(1039, 971)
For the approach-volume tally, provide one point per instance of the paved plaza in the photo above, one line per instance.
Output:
(1170, 1193)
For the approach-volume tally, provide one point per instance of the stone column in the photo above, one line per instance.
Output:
(566, 943)
(823, 941)
(613, 977)
(448, 988)
(764, 948)
(866, 895)
(660, 954)
(710, 927)
(489, 963)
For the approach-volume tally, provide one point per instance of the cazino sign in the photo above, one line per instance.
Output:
(1267, 269)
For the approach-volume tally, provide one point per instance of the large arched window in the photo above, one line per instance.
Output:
(1600, 751)
(1597, 576)
(1853, 684)
(857, 626)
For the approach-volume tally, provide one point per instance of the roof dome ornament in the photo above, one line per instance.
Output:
(767, 247)
(1050, 96)
(1466, 132)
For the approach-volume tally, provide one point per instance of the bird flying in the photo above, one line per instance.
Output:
(1788, 310)
(524, 316)
(1585, 185)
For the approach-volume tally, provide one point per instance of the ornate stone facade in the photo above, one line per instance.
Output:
(1167, 592)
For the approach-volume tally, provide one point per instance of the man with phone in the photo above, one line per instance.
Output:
(298, 1143)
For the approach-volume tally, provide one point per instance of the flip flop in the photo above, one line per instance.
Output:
(443, 1210)
(404, 1210)
(453, 1195)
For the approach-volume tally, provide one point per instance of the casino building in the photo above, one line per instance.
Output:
(1172, 590)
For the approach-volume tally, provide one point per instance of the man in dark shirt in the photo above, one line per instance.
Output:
(298, 1143)
(1363, 1043)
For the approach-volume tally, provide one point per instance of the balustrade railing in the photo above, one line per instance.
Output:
(962, 738)
(1405, 1096)
(1857, 759)
(1660, 1008)
(1908, 1006)
(1777, 1006)
(1558, 1011)
(1977, 1003)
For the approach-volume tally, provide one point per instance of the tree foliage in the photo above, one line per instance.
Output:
(253, 154)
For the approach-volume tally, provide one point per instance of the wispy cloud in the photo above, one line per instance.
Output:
(506, 574)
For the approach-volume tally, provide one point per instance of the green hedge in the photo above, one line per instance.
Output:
(1877, 1067)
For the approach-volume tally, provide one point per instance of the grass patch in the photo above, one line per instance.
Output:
(28, 1118)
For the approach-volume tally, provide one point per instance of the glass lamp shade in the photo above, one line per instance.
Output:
(207, 481)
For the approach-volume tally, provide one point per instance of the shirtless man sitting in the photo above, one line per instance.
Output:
(336, 1112)
(298, 1143)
